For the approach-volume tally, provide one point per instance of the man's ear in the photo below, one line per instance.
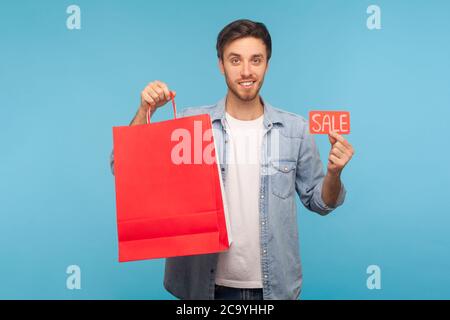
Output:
(221, 68)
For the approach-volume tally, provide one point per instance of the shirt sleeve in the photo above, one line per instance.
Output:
(310, 176)
(111, 161)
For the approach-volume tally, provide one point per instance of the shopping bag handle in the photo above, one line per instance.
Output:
(173, 105)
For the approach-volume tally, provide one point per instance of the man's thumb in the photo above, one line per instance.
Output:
(332, 140)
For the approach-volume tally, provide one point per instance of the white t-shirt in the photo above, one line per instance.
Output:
(240, 266)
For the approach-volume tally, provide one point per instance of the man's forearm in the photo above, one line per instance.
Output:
(331, 188)
(140, 117)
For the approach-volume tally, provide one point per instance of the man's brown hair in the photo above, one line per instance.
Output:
(241, 29)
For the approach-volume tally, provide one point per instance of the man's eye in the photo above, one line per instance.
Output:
(256, 60)
(235, 61)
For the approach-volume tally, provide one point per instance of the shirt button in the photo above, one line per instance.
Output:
(286, 169)
(262, 196)
(265, 251)
(265, 276)
(263, 223)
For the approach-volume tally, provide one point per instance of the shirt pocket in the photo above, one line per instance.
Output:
(283, 177)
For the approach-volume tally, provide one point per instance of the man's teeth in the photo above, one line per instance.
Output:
(246, 84)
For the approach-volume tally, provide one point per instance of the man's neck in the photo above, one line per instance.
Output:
(244, 110)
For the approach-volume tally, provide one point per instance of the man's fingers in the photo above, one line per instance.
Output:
(334, 160)
(340, 146)
(338, 153)
(160, 93)
(152, 93)
(342, 142)
(148, 99)
(338, 137)
(165, 90)
(332, 140)
(156, 94)
(346, 150)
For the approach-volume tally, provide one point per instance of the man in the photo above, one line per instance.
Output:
(263, 261)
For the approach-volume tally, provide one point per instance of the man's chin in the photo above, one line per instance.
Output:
(244, 96)
(248, 97)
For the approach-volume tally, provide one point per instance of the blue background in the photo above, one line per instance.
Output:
(61, 91)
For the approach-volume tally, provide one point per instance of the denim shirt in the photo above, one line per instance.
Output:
(290, 162)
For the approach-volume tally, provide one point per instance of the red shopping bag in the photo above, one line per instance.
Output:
(167, 208)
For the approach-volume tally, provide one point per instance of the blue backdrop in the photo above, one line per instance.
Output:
(62, 90)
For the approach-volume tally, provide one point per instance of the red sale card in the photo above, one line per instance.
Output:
(322, 122)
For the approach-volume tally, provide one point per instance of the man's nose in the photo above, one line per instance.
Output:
(246, 70)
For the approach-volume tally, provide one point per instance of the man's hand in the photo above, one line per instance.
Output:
(340, 154)
(155, 95)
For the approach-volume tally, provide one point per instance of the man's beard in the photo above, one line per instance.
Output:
(244, 97)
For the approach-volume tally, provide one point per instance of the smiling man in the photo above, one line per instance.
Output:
(266, 157)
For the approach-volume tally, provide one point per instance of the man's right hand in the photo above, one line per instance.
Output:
(155, 95)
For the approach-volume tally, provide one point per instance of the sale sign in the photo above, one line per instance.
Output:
(322, 122)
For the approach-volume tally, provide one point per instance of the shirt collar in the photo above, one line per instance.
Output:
(271, 116)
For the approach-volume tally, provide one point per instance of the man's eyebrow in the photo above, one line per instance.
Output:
(232, 54)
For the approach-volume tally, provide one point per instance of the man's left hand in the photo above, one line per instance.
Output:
(340, 154)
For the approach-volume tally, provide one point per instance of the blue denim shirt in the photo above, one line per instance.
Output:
(295, 165)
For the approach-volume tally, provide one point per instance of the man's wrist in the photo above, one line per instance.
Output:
(334, 174)
(140, 117)
(142, 113)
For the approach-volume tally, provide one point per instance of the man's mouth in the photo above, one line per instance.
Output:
(247, 84)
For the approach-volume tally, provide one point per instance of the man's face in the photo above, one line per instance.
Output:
(244, 65)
